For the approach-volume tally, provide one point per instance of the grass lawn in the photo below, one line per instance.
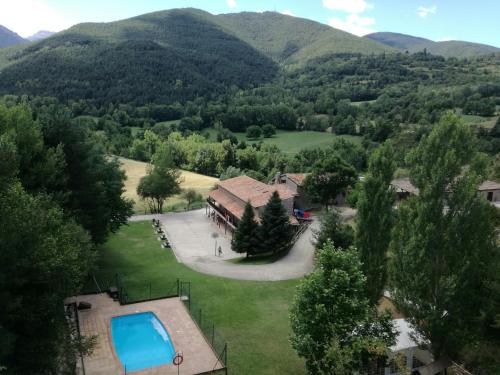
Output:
(136, 169)
(251, 316)
(291, 142)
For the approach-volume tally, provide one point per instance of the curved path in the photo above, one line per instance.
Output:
(191, 237)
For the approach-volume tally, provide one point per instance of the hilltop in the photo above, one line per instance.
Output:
(172, 55)
(292, 39)
(9, 38)
(413, 44)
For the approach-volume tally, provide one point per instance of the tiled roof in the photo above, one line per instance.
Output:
(489, 185)
(298, 178)
(404, 185)
(234, 206)
(258, 193)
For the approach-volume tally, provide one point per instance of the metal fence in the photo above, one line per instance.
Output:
(207, 327)
(148, 291)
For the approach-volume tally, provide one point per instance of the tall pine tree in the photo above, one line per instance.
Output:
(375, 220)
(275, 231)
(246, 236)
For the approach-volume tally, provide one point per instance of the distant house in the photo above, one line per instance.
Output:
(404, 188)
(226, 203)
(490, 190)
(295, 181)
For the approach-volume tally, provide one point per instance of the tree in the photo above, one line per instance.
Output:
(64, 161)
(333, 326)
(230, 172)
(254, 132)
(45, 257)
(268, 130)
(375, 220)
(246, 236)
(332, 229)
(329, 177)
(161, 182)
(275, 230)
(444, 255)
(191, 195)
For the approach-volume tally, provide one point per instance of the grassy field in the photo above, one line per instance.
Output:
(136, 169)
(485, 122)
(291, 142)
(251, 316)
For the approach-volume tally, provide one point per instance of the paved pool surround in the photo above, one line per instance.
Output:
(184, 333)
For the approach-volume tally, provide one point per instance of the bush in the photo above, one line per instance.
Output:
(254, 132)
(268, 130)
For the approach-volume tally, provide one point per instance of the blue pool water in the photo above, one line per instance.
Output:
(141, 341)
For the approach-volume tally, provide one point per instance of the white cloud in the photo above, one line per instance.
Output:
(349, 6)
(288, 13)
(425, 11)
(354, 24)
(26, 17)
(231, 3)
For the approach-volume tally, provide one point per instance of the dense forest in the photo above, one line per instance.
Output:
(374, 98)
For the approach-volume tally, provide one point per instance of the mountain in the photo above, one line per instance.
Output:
(292, 39)
(413, 44)
(42, 34)
(173, 55)
(9, 38)
(167, 56)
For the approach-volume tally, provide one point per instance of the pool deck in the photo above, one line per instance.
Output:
(185, 334)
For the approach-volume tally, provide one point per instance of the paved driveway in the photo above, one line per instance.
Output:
(190, 234)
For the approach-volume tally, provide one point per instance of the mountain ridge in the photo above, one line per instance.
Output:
(449, 48)
(9, 38)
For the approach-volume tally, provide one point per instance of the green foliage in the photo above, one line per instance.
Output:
(444, 255)
(254, 132)
(334, 327)
(230, 172)
(161, 182)
(191, 196)
(276, 231)
(332, 229)
(44, 258)
(93, 185)
(329, 177)
(375, 220)
(268, 130)
(246, 237)
(294, 40)
(159, 57)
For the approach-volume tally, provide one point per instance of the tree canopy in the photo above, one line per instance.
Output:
(334, 328)
(444, 255)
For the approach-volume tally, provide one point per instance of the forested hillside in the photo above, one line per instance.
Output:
(9, 38)
(450, 48)
(159, 57)
(294, 40)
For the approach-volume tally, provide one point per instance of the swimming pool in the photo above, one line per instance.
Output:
(141, 341)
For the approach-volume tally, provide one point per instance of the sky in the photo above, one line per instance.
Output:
(474, 21)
